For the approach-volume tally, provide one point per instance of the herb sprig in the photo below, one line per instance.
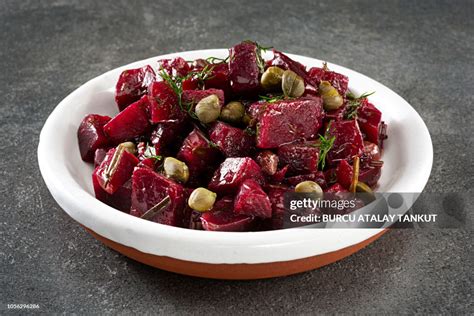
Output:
(271, 99)
(325, 144)
(354, 103)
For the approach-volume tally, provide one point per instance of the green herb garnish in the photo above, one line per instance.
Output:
(217, 60)
(325, 144)
(150, 152)
(354, 103)
(272, 99)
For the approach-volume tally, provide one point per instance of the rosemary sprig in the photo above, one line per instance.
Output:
(260, 49)
(217, 60)
(354, 103)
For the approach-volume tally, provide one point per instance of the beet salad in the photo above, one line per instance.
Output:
(215, 144)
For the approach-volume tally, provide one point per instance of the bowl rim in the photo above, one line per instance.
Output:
(204, 246)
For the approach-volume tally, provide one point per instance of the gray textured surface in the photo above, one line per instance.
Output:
(424, 51)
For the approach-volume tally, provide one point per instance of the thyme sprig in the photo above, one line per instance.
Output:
(260, 49)
(354, 103)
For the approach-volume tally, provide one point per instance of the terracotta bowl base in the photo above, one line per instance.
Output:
(241, 271)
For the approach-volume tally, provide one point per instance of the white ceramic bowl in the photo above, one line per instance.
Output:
(408, 158)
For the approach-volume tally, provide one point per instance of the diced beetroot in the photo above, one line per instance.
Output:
(344, 174)
(191, 97)
(337, 80)
(336, 114)
(219, 79)
(330, 174)
(177, 67)
(285, 62)
(90, 135)
(132, 84)
(120, 200)
(222, 218)
(244, 71)
(148, 163)
(367, 174)
(317, 177)
(252, 200)
(164, 105)
(232, 172)
(301, 157)
(348, 142)
(149, 188)
(198, 154)
(370, 175)
(276, 196)
(111, 177)
(226, 221)
(289, 120)
(167, 134)
(99, 156)
(369, 119)
(130, 123)
(232, 141)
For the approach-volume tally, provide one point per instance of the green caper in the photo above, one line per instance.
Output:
(309, 187)
(332, 100)
(271, 78)
(208, 109)
(129, 146)
(232, 112)
(202, 200)
(176, 169)
(292, 84)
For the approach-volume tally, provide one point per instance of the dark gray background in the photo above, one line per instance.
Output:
(423, 51)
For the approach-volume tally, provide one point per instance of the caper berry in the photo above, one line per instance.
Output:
(332, 100)
(271, 78)
(176, 169)
(232, 112)
(309, 187)
(208, 109)
(202, 200)
(129, 146)
(367, 193)
(292, 84)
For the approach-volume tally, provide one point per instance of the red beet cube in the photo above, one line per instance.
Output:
(344, 174)
(276, 196)
(177, 67)
(90, 135)
(232, 172)
(116, 168)
(285, 62)
(369, 119)
(300, 157)
(191, 97)
(232, 141)
(289, 120)
(130, 123)
(198, 154)
(219, 79)
(222, 217)
(132, 84)
(149, 188)
(252, 200)
(164, 105)
(337, 80)
(348, 142)
(244, 71)
(166, 135)
(120, 199)
(368, 174)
